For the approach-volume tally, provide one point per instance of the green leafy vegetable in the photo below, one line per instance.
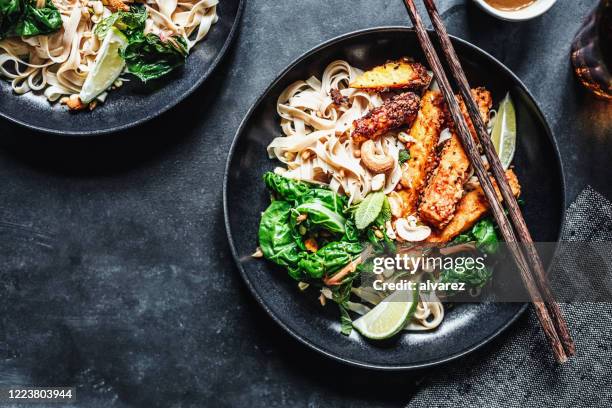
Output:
(369, 209)
(10, 11)
(341, 295)
(463, 238)
(484, 234)
(275, 235)
(403, 156)
(329, 259)
(323, 208)
(148, 57)
(285, 188)
(131, 23)
(281, 235)
(301, 213)
(475, 276)
(351, 234)
(385, 213)
(319, 215)
(22, 18)
(331, 199)
(346, 324)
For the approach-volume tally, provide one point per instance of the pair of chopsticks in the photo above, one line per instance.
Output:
(534, 278)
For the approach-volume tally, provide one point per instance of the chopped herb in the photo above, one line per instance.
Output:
(403, 156)
(369, 209)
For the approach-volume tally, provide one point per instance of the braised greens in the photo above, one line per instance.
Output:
(285, 188)
(484, 234)
(147, 56)
(301, 212)
(329, 259)
(475, 276)
(22, 18)
(276, 239)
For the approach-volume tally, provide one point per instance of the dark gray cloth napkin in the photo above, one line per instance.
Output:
(518, 369)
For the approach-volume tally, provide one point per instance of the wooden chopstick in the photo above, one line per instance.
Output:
(499, 174)
(486, 184)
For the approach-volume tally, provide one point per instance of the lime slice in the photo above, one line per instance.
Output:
(107, 67)
(389, 316)
(504, 132)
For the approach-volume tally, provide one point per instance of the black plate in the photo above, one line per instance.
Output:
(135, 102)
(466, 326)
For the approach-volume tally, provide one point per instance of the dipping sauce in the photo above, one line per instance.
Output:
(510, 5)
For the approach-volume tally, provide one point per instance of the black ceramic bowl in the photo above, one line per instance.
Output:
(135, 102)
(466, 326)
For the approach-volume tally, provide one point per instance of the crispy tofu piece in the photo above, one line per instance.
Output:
(470, 209)
(400, 74)
(445, 186)
(398, 111)
(424, 136)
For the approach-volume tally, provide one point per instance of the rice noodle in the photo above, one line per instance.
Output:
(315, 146)
(57, 64)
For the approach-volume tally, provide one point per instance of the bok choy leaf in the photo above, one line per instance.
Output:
(23, 18)
(148, 57)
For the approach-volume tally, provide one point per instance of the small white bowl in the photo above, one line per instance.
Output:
(536, 9)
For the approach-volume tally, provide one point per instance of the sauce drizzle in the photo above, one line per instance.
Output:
(510, 5)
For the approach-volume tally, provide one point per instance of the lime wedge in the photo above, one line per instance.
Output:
(504, 132)
(107, 67)
(389, 316)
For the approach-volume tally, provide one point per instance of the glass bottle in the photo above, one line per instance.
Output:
(592, 51)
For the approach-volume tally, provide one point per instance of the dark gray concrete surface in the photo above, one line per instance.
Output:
(116, 275)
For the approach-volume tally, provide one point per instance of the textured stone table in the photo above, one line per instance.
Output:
(116, 275)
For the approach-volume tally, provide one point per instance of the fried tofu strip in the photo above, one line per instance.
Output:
(445, 187)
(424, 136)
(470, 209)
(397, 111)
(400, 74)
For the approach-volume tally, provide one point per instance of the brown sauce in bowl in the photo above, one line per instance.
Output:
(510, 5)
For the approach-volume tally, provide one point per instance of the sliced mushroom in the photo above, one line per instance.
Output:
(389, 230)
(375, 162)
(409, 231)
